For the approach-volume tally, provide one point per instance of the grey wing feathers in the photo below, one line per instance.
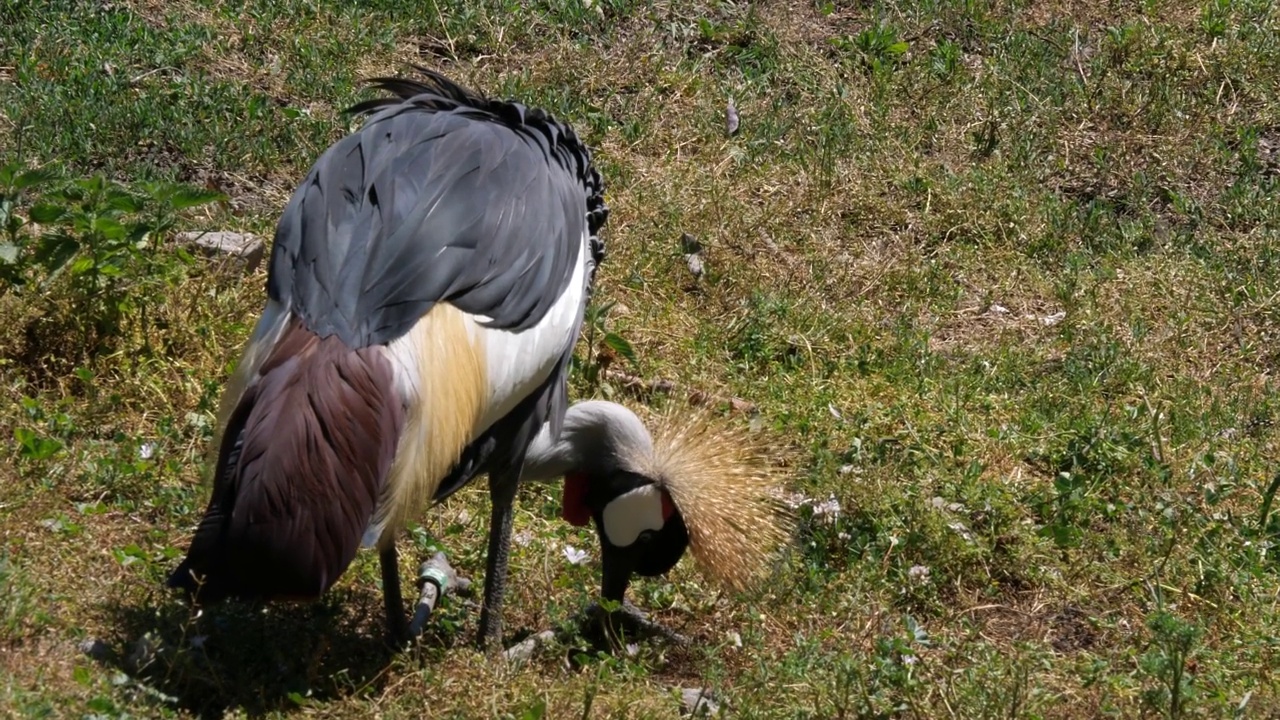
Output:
(438, 92)
(443, 196)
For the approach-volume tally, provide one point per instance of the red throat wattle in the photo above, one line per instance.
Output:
(668, 507)
(574, 501)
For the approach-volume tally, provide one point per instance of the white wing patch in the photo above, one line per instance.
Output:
(632, 513)
(518, 363)
(514, 365)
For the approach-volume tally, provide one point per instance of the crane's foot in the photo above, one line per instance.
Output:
(605, 630)
(626, 624)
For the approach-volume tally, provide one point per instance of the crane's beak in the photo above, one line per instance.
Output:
(617, 565)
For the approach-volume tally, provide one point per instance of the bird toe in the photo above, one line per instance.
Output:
(628, 623)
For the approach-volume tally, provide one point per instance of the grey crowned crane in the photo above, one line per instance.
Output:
(426, 288)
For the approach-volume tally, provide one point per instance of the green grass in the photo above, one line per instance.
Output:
(1003, 279)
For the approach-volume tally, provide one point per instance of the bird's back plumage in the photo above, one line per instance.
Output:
(442, 196)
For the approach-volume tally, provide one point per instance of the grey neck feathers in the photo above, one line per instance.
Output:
(598, 438)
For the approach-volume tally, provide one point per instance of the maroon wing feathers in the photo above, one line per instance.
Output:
(305, 458)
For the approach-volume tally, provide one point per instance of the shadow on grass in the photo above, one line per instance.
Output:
(258, 659)
(253, 659)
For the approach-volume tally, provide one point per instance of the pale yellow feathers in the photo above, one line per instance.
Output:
(442, 372)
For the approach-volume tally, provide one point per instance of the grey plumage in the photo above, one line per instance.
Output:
(442, 195)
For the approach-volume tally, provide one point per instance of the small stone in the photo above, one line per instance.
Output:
(695, 265)
(698, 702)
(692, 250)
(1048, 320)
(689, 245)
(95, 648)
(960, 529)
(1054, 319)
(523, 650)
(731, 118)
(247, 249)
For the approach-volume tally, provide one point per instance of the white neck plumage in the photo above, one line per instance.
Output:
(597, 438)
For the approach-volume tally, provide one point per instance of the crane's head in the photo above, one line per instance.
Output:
(695, 486)
(640, 528)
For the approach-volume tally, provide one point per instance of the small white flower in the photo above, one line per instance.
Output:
(522, 538)
(918, 573)
(829, 509)
(909, 659)
(633, 649)
(574, 555)
(146, 450)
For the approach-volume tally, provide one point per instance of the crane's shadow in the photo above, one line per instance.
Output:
(253, 658)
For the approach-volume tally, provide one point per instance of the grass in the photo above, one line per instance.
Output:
(1003, 279)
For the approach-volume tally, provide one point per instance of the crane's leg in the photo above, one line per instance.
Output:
(502, 495)
(397, 625)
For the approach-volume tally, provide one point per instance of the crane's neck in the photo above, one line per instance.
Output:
(597, 439)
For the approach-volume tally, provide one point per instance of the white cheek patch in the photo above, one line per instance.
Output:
(632, 513)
